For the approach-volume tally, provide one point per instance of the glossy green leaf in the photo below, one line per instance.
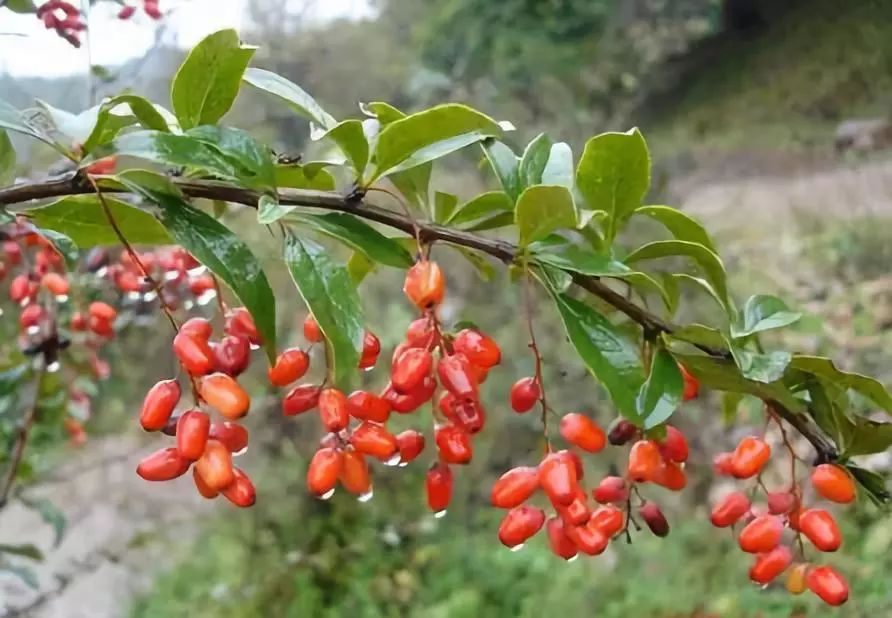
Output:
(292, 94)
(505, 165)
(661, 392)
(26, 550)
(559, 168)
(414, 184)
(502, 219)
(82, 219)
(303, 177)
(430, 134)
(768, 367)
(606, 352)
(445, 205)
(698, 334)
(484, 205)
(384, 112)
(215, 246)
(681, 225)
(827, 411)
(351, 140)
(763, 312)
(331, 297)
(874, 484)
(708, 261)
(14, 120)
(21, 6)
(613, 175)
(541, 210)
(7, 160)
(6, 216)
(730, 405)
(362, 237)
(533, 160)
(359, 266)
(826, 370)
(106, 127)
(252, 160)
(869, 437)
(701, 283)
(269, 210)
(484, 269)
(75, 127)
(206, 84)
(724, 375)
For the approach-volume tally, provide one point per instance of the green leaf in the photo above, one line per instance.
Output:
(484, 269)
(6, 216)
(23, 573)
(429, 135)
(533, 160)
(505, 164)
(384, 112)
(723, 375)
(543, 209)
(107, 124)
(351, 140)
(613, 175)
(207, 82)
(606, 352)
(485, 204)
(824, 369)
(76, 127)
(698, 334)
(52, 515)
(827, 412)
(21, 6)
(359, 266)
(303, 177)
(699, 282)
(12, 377)
(708, 261)
(873, 483)
(559, 168)
(292, 94)
(331, 297)
(760, 367)
(253, 160)
(170, 149)
(869, 437)
(269, 210)
(445, 206)
(14, 120)
(215, 246)
(496, 221)
(362, 237)
(682, 226)
(661, 393)
(763, 312)
(83, 220)
(730, 404)
(414, 184)
(7, 160)
(64, 246)
(27, 550)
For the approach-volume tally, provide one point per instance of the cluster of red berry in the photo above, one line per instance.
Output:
(64, 18)
(764, 527)
(149, 7)
(212, 369)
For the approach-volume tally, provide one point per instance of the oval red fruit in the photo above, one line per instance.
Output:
(333, 410)
(195, 354)
(300, 399)
(367, 406)
(355, 476)
(644, 461)
(820, 528)
(324, 471)
(158, 405)
(519, 524)
(478, 348)
(438, 486)
(408, 371)
(654, 518)
(611, 489)
(771, 564)
(730, 509)
(425, 284)
(762, 534)
(312, 332)
(241, 491)
(232, 355)
(524, 394)
(674, 446)
(453, 444)
(193, 428)
(558, 478)
(411, 444)
(374, 440)
(290, 365)
(232, 435)
(833, 483)
(749, 457)
(581, 431)
(828, 585)
(456, 376)
(225, 395)
(215, 466)
(163, 465)
(514, 487)
(560, 543)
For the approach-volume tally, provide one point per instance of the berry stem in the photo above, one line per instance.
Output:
(528, 310)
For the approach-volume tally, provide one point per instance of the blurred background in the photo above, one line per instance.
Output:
(770, 121)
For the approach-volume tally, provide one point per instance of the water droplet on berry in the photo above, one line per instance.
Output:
(170, 275)
(254, 346)
(53, 367)
(518, 547)
(133, 296)
(403, 464)
(62, 298)
(32, 330)
(440, 514)
(188, 305)
(150, 296)
(328, 494)
(102, 271)
(573, 559)
(241, 452)
(206, 297)
(366, 496)
(198, 270)
(396, 460)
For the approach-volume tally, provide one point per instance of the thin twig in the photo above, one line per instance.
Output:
(18, 447)
(528, 310)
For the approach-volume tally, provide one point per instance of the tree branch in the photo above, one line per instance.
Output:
(501, 250)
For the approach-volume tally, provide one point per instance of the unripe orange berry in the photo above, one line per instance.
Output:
(408, 371)
(558, 478)
(644, 461)
(478, 348)
(519, 524)
(366, 406)
(820, 528)
(524, 394)
(241, 491)
(312, 332)
(290, 365)
(232, 435)
(795, 583)
(324, 471)
(749, 457)
(195, 354)
(411, 444)
(374, 440)
(355, 475)
(55, 284)
(193, 428)
(163, 465)
(514, 487)
(560, 543)
(833, 483)
(611, 489)
(158, 405)
(581, 431)
(215, 466)
(333, 410)
(225, 395)
(453, 444)
(654, 518)
(828, 585)
(762, 534)
(438, 486)
(425, 284)
(730, 509)
(300, 399)
(771, 564)
(202, 487)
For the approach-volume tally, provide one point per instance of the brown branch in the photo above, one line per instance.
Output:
(21, 439)
(427, 232)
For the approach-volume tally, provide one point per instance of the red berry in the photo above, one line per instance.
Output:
(195, 354)
(587, 539)
(514, 487)
(371, 347)
(644, 461)
(560, 543)
(558, 478)
(438, 486)
(232, 435)
(224, 394)
(519, 524)
(622, 432)
(420, 333)
(730, 509)
(827, 584)
(241, 491)
(722, 463)
(671, 476)
(771, 564)
(333, 410)
(55, 284)
(654, 518)
(674, 446)
(583, 432)
(158, 405)
(31, 316)
(749, 457)
(239, 323)
(761, 535)
(355, 476)
(126, 12)
(366, 406)
(408, 371)
(193, 428)
(780, 502)
(456, 376)
(202, 487)
(453, 444)
(691, 385)
(231, 355)
(215, 466)
(524, 394)
(611, 489)
(324, 471)
(479, 349)
(312, 332)
(577, 512)
(103, 311)
(374, 440)
(197, 327)
(410, 444)
(290, 365)
(300, 399)
(833, 483)
(163, 465)
(425, 284)
(608, 520)
(820, 528)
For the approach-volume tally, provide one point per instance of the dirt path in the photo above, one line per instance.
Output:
(119, 528)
